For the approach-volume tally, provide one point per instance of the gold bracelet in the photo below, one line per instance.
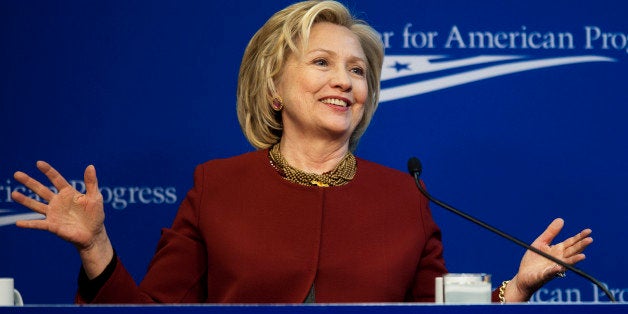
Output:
(502, 291)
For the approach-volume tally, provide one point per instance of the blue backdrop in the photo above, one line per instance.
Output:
(517, 110)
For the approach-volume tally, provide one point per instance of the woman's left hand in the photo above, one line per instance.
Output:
(536, 270)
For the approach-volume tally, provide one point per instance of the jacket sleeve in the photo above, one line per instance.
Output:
(177, 272)
(431, 263)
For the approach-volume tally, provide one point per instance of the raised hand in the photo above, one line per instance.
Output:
(75, 217)
(535, 270)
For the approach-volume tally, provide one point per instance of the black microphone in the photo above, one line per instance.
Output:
(415, 168)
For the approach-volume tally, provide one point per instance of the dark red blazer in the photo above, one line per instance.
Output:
(244, 234)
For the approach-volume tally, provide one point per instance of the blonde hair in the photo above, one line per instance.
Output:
(267, 52)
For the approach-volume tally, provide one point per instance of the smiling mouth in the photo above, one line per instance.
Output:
(336, 102)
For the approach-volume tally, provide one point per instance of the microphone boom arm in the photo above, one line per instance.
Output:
(416, 173)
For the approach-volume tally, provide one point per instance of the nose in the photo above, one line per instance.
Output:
(342, 80)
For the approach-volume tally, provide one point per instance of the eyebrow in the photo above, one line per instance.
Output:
(353, 57)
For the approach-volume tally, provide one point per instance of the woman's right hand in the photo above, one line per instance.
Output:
(75, 217)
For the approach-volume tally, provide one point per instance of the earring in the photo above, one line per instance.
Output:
(277, 103)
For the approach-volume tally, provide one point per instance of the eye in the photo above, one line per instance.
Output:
(321, 62)
(359, 71)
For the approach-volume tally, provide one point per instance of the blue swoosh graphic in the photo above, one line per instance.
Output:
(11, 219)
(431, 63)
(430, 85)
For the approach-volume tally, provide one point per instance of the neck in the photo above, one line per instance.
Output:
(311, 157)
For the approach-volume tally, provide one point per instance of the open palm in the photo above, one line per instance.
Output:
(535, 270)
(71, 215)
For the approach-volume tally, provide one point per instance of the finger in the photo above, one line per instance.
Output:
(29, 202)
(578, 247)
(53, 175)
(91, 181)
(577, 243)
(33, 224)
(578, 237)
(34, 185)
(550, 232)
(575, 259)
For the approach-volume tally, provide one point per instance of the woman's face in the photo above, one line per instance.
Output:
(324, 87)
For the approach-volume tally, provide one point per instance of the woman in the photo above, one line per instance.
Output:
(300, 219)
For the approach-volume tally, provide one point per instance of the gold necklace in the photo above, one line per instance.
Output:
(342, 174)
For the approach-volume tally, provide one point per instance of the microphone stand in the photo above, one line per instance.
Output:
(414, 167)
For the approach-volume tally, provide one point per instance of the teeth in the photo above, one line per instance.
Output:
(334, 101)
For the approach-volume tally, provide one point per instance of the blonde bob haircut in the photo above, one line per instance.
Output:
(269, 49)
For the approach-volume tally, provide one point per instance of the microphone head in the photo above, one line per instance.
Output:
(414, 166)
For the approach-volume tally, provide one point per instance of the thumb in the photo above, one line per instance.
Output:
(550, 232)
(91, 181)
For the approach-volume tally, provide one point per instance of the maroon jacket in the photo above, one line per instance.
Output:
(245, 234)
